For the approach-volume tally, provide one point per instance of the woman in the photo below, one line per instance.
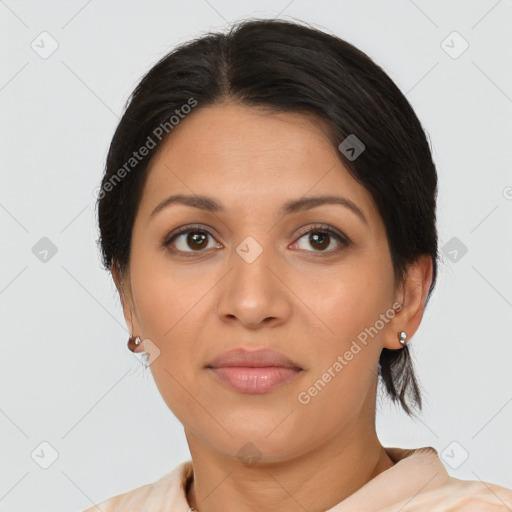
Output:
(268, 216)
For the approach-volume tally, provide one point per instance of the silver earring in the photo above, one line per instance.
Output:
(138, 341)
(402, 336)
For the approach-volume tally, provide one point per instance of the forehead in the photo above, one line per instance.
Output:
(241, 131)
(249, 158)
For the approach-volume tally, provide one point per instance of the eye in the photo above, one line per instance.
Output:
(321, 238)
(196, 240)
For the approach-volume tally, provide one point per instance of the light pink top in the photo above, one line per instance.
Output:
(415, 473)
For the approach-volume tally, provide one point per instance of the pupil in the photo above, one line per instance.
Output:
(323, 238)
(194, 237)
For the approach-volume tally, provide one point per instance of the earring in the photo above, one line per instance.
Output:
(133, 343)
(402, 336)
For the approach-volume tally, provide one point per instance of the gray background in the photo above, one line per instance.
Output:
(67, 377)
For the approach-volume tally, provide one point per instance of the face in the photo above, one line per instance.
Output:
(305, 282)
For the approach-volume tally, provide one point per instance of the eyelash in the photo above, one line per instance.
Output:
(317, 228)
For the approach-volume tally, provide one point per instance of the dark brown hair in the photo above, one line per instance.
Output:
(287, 67)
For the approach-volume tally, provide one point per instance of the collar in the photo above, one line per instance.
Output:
(415, 471)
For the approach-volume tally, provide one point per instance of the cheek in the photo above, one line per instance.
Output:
(173, 303)
(168, 297)
(170, 306)
(343, 355)
(347, 301)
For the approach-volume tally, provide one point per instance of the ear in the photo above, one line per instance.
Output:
(412, 296)
(122, 282)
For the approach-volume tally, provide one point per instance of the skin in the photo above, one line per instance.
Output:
(296, 298)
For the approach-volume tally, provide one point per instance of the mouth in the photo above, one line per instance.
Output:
(256, 371)
(260, 379)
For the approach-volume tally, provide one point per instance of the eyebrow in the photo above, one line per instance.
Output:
(295, 205)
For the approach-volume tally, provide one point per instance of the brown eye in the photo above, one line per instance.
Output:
(189, 240)
(196, 240)
(321, 238)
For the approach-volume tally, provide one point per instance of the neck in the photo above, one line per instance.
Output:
(332, 474)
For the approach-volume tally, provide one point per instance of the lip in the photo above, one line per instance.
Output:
(255, 371)
(254, 380)
(252, 359)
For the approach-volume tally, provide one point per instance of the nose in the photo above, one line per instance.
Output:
(254, 292)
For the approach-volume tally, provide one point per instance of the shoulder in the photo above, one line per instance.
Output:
(478, 490)
(129, 499)
(425, 482)
(452, 493)
(169, 489)
(458, 493)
